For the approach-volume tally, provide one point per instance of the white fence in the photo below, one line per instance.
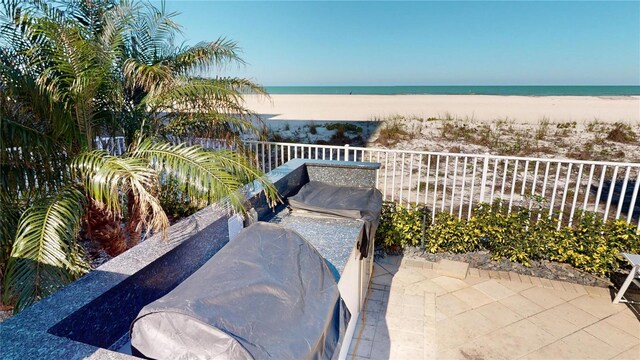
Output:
(113, 145)
(117, 145)
(458, 182)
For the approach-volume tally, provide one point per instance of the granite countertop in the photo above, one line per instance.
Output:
(333, 237)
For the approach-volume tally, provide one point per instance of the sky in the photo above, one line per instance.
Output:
(424, 43)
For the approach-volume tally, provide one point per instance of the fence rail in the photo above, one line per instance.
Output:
(458, 182)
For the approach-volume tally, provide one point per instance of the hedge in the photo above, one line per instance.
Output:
(522, 235)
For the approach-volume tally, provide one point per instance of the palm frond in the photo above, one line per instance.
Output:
(202, 96)
(45, 243)
(105, 177)
(210, 175)
(24, 102)
(31, 162)
(205, 55)
(240, 85)
(153, 34)
(149, 77)
(212, 125)
(10, 209)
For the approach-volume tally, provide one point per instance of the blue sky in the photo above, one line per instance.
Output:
(425, 43)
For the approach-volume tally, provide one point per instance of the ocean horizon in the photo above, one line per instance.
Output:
(520, 90)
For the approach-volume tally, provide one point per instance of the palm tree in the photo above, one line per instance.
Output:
(81, 69)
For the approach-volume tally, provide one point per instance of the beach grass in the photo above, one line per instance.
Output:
(593, 140)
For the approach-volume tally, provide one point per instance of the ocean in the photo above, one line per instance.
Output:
(461, 90)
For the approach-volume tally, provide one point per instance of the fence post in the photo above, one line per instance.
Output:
(346, 152)
(483, 183)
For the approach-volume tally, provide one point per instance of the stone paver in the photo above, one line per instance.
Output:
(598, 307)
(631, 354)
(625, 321)
(454, 269)
(450, 284)
(494, 289)
(546, 298)
(510, 342)
(499, 314)
(521, 305)
(613, 336)
(473, 297)
(415, 312)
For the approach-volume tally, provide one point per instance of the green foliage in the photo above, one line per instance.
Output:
(70, 71)
(448, 233)
(176, 203)
(590, 244)
(518, 236)
(344, 127)
(45, 253)
(594, 245)
(543, 128)
(400, 225)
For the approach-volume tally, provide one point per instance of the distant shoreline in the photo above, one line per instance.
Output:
(519, 90)
(521, 109)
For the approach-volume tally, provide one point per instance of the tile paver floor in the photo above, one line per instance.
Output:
(413, 312)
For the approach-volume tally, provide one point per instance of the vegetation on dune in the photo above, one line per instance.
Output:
(76, 70)
(592, 141)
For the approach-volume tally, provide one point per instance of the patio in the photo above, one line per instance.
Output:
(413, 311)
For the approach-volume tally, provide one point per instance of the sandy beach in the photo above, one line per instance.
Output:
(577, 127)
(521, 109)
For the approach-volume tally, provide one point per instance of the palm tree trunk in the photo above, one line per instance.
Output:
(105, 228)
(134, 218)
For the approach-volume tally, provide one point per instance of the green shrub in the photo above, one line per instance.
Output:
(448, 233)
(591, 244)
(175, 203)
(503, 233)
(344, 127)
(402, 226)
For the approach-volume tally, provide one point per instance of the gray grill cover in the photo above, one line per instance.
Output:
(350, 202)
(268, 294)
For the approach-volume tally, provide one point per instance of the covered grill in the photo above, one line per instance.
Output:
(350, 202)
(268, 294)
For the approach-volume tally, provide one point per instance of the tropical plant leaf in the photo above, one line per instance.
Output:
(205, 55)
(106, 177)
(211, 175)
(10, 210)
(31, 161)
(45, 242)
(71, 71)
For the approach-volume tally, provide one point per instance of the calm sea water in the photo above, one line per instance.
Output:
(461, 90)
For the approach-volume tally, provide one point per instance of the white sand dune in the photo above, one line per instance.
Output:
(521, 109)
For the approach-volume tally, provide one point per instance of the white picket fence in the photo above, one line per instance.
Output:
(457, 182)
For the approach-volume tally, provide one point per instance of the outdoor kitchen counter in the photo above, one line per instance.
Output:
(333, 237)
(89, 317)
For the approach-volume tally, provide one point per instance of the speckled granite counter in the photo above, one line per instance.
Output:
(86, 318)
(334, 238)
